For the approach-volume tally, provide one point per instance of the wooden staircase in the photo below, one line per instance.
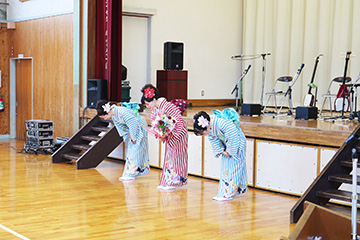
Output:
(326, 185)
(90, 145)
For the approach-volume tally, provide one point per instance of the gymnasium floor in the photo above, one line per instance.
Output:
(41, 200)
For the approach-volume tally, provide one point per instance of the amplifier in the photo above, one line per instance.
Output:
(39, 143)
(250, 109)
(39, 124)
(306, 113)
(40, 133)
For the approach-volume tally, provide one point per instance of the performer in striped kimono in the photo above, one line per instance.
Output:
(131, 126)
(229, 142)
(175, 167)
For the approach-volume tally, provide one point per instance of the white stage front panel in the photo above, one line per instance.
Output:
(284, 167)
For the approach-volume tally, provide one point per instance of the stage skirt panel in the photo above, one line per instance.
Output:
(224, 135)
(130, 127)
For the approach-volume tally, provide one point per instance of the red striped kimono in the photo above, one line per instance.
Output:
(175, 167)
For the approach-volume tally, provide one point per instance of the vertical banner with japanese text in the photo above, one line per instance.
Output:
(108, 45)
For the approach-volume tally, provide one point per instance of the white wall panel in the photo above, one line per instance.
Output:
(211, 33)
(194, 152)
(212, 165)
(19, 11)
(325, 157)
(134, 53)
(250, 161)
(284, 167)
(162, 154)
(118, 152)
(153, 150)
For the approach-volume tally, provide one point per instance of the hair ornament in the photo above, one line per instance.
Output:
(107, 107)
(149, 92)
(203, 122)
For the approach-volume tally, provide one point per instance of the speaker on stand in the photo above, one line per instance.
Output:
(173, 56)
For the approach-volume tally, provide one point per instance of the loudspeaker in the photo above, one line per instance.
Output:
(173, 55)
(96, 90)
(250, 109)
(123, 72)
(306, 113)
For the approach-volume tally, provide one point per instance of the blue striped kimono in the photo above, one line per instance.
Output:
(131, 125)
(225, 135)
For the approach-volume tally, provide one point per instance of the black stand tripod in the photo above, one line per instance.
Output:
(236, 88)
(353, 112)
(263, 55)
(288, 92)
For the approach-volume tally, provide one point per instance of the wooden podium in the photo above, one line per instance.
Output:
(172, 84)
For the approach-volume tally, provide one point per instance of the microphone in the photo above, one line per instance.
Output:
(238, 56)
(246, 70)
(301, 67)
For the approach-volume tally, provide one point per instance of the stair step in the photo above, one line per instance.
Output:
(343, 179)
(349, 164)
(106, 120)
(71, 156)
(100, 129)
(81, 147)
(90, 138)
(336, 194)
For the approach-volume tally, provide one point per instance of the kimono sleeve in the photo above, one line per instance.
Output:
(235, 143)
(134, 127)
(217, 145)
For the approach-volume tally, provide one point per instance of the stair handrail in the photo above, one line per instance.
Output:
(354, 198)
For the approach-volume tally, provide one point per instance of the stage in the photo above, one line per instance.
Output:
(285, 128)
(280, 149)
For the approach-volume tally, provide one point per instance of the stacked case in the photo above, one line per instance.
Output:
(39, 134)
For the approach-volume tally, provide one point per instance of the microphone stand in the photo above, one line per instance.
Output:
(288, 92)
(263, 78)
(236, 88)
(354, 197)
(252, 57)
(353, 113)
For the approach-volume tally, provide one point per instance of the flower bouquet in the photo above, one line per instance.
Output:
(162, 126)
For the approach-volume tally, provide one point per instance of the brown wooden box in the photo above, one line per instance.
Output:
(172, 84)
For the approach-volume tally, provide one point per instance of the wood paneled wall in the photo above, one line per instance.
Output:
(4, 67)
(50, 42)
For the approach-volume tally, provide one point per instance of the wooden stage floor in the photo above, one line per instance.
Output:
(41, 200)
(285, 128)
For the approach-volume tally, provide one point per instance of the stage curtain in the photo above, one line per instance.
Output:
(108, 45)
(295, 32)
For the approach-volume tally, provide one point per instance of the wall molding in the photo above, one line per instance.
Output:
(211, 102)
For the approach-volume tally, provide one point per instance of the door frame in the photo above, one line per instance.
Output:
(13, 92)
